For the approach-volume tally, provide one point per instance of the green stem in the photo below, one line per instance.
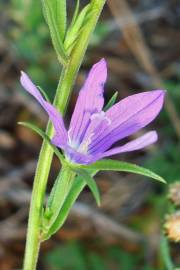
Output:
(63, 92)
(165, 254)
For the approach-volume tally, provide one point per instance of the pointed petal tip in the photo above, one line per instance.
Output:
(159, 92)
(154, 135)
(141, 142)
(101, 64)
(103, 61)
(24, 78)
(23, 74)
(158, 96)
(99, 69)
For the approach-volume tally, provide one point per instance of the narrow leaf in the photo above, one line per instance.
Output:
(111, 101)
(74, 30)
(76, 11)
(44, 93)
(43, 136)
(78, 186)
(57, 41)
(89, 180)
(61, 17)
(165, 253)
(58, 194)
(115, 165)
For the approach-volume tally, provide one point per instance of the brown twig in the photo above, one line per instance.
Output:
(136, 43)
(15, 177)
(105, 225)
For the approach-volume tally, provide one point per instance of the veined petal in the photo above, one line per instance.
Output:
(137, 144)
(90, 101)
(127, 117)
(60, 138)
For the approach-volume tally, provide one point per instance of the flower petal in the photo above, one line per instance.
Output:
(127, 117)
(90, 101)
(60, 138)
(137, 144)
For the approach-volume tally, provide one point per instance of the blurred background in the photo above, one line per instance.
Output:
(140, 41)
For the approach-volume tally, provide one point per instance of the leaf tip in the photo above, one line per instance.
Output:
(20, 123)
(163, 180)
(99, 203)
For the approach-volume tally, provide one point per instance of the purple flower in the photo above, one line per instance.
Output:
(92, 132)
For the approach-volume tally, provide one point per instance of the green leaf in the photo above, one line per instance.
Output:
(58, 195)
(58, 258)
(165, 253)
(89, 180)
(111, 101)
(115, 165)
(75, 29)
(78, 186)
(43, 136)
(76, 11)
(61, 16)
(50, 14)
(44, 93)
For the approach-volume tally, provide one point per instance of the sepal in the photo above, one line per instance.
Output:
(76, 189)
(43, 135)
(115, 165)
(44, 93)
(91, 183)
(111, 101)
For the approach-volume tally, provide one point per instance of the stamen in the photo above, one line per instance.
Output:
(83, 148)
(101, 116)
(69, 136)
(72, 143)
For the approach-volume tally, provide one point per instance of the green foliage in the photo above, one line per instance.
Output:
(111, 101)
(29, 38)
(43, 135)
(102, 30)
(75, 28)
(112, 257)
(76, 11)
(165, 253)
(60, 10)
(77, 187)
(67, 257)
(44, 94)
(166, 161)
(89, 180)
(123, 258)
(96, 262)
(173, 89)
(82, 258)
(114, 165)
(22, 12)
(51, 11)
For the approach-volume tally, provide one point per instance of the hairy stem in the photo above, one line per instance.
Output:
(63, 92)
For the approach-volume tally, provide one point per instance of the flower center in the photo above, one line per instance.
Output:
(83, 147)
(96, 120)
